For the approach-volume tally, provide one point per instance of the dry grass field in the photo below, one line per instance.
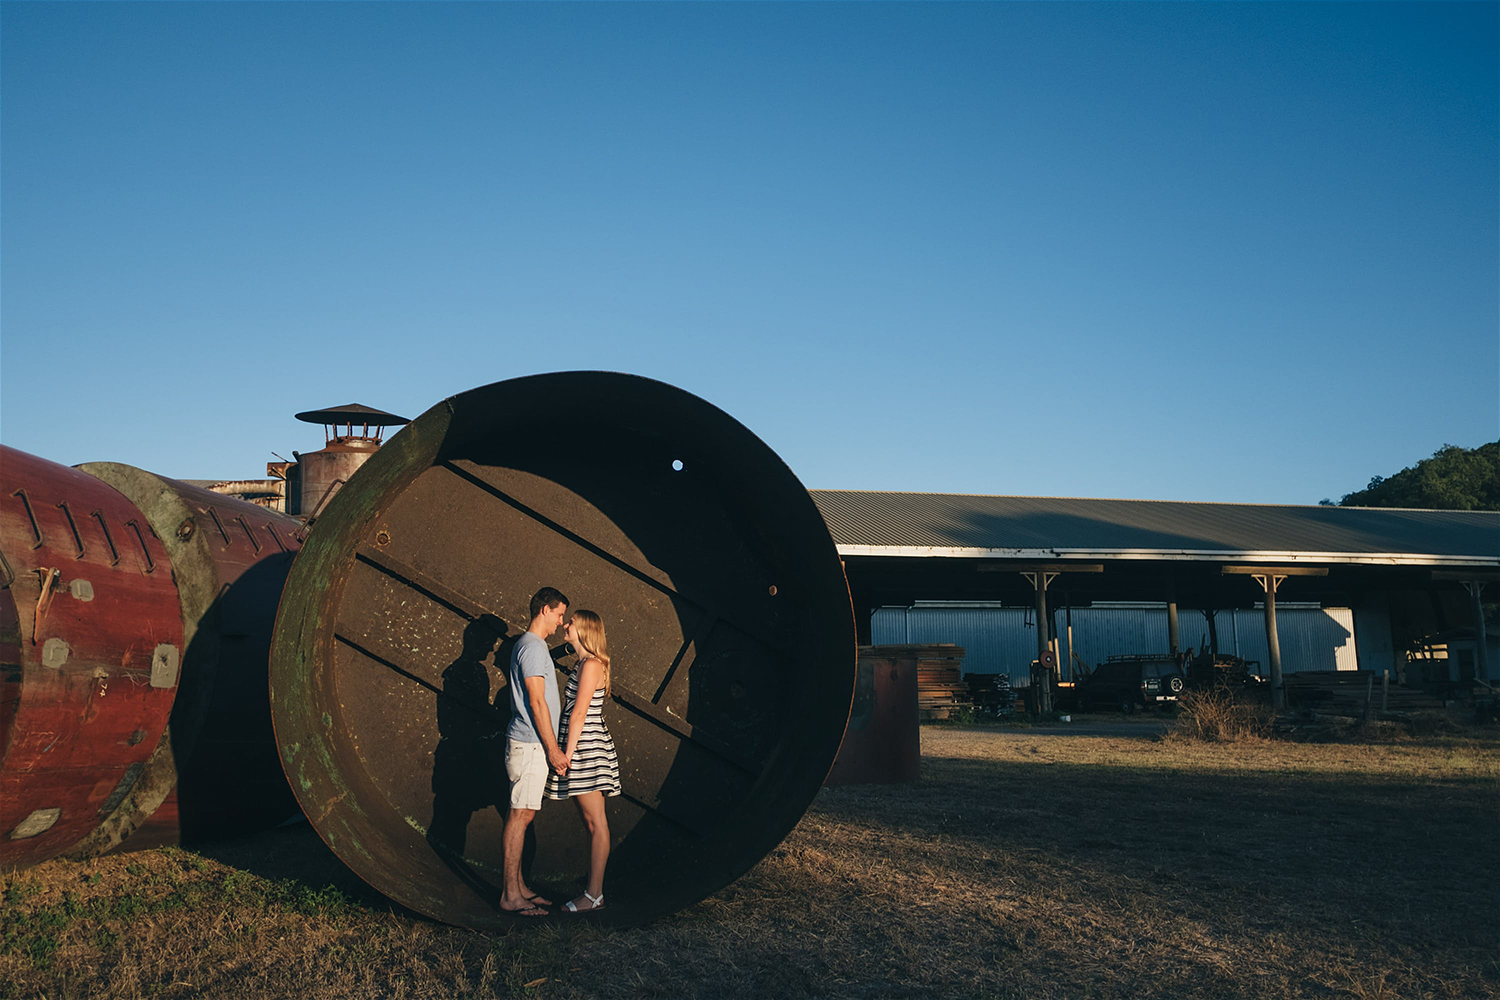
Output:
(1024, 864)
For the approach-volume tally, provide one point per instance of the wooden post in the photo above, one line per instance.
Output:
(1369, 696)
(1213, 634)
(1173, 642)
(1481, 640)
(864, 608)
(1043, 697)
(1385, 691)
(1269, 579)
(1068, 614)
(1273, 642)
(1041, 678)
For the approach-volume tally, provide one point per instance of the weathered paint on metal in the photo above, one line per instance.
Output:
(729, 624)
(80, 728)
(230, 559)
(324, 472)
(883, 742)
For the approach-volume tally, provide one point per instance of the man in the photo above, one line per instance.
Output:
(531, 741)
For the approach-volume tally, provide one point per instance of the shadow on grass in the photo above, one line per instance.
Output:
(295, 853)
(1401, 851)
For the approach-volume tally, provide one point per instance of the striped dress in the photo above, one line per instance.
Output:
(595, 767)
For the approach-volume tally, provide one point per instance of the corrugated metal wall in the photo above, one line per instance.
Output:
(1000, 641)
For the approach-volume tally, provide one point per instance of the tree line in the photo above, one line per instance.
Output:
(1453, 478)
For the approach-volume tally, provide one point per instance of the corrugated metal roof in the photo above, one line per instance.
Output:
(947, 524)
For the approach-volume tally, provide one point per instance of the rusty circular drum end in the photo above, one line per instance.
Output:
(727, 703)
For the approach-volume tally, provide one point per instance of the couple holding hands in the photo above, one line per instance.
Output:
(558, 748)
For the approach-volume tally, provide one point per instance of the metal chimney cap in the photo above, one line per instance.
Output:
(352, 413)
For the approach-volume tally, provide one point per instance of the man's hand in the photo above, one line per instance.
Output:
(557, 760)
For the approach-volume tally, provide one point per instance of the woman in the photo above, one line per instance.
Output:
(593, 769)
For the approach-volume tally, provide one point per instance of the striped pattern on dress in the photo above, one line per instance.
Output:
(595, 767)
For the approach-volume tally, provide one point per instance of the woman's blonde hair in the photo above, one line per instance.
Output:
(588, 628)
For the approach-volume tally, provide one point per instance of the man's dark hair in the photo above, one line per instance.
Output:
(547, 597)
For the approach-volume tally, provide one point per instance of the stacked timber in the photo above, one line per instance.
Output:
(1353, 693)
(940, 684)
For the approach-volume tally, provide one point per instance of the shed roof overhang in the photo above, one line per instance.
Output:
(1062, 554)
(908, 546)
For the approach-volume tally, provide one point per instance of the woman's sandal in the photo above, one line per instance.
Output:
(595, 903)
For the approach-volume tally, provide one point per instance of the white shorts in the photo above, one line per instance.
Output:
(526, 766)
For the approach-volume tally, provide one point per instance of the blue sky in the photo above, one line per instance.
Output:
(1242, 252)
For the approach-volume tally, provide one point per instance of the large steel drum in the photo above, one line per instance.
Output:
(91, 643)
(135, 621)
(230, 559)
(728, 617)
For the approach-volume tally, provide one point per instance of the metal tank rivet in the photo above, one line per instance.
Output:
(185, 529)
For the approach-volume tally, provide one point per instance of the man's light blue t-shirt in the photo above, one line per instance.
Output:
(530, 658)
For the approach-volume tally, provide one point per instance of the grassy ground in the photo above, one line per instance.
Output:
(1023, 864)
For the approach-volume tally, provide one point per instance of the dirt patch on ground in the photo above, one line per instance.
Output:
(1023, 864)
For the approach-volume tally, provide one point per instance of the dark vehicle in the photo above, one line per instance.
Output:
(1206, 671)
(1130, 682)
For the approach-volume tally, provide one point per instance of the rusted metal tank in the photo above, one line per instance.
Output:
(91, 642)
(321, 473)
(324, 472)
(230, 559)
(729, 624)
(883, 742)
(134, 631)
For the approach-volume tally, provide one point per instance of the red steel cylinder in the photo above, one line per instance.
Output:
(135, 623)
(230, 559)
(91, 642)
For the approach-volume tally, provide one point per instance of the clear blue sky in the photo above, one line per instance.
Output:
(1184, 251)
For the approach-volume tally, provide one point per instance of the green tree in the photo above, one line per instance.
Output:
(1453, 478)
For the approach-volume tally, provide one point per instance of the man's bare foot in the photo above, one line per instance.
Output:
(522, 907)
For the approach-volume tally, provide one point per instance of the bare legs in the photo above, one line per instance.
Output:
(518, 898)
(591, 808)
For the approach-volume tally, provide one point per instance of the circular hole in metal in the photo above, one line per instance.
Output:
(676, 465)
(382, 538)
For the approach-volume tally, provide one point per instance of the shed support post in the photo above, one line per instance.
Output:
(1269, 582)
(1174, 642)
(864, 610)
(1041, 678)
(1481, 640)
(1069, 615)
